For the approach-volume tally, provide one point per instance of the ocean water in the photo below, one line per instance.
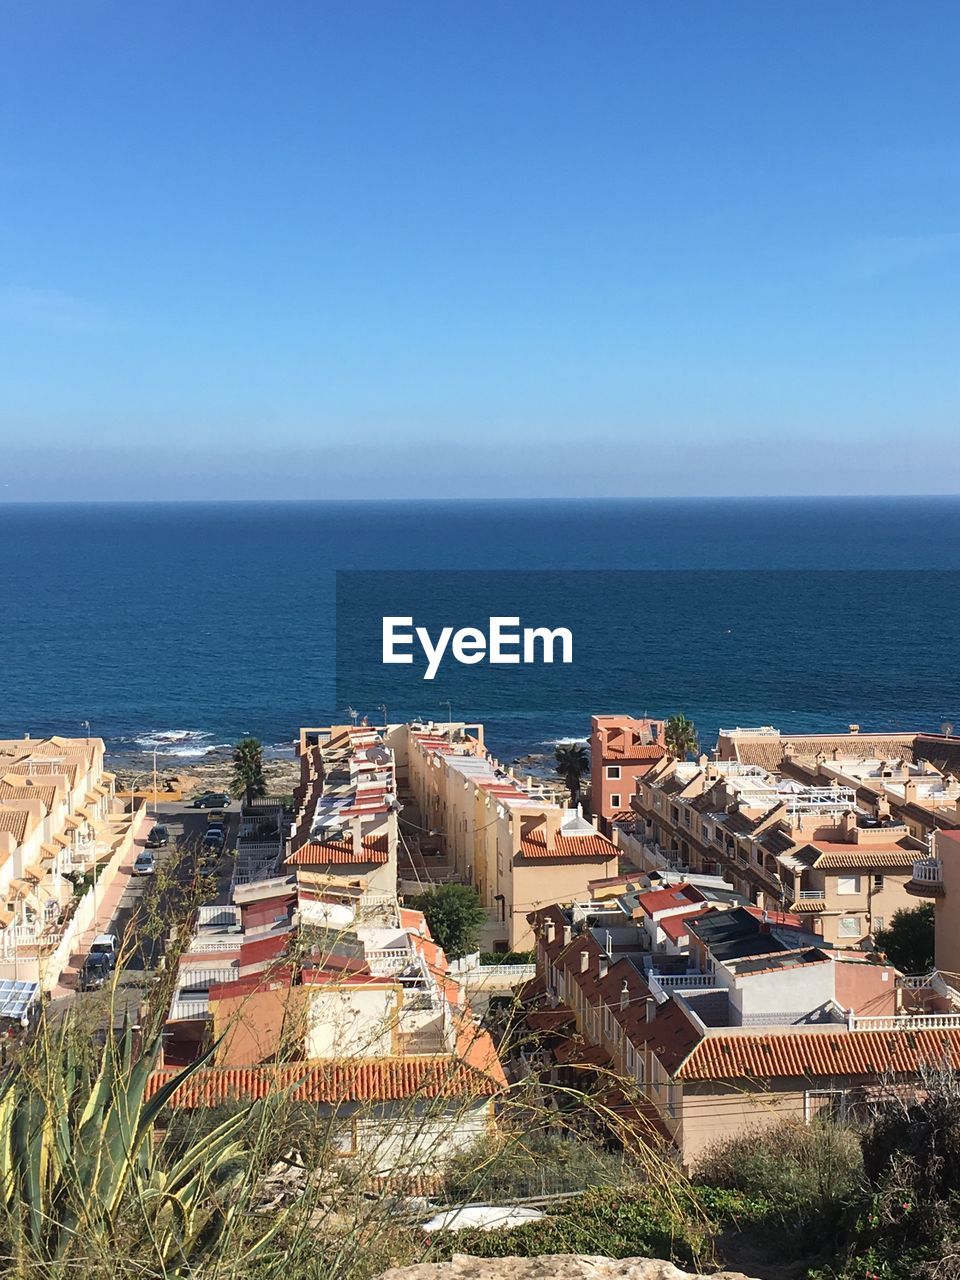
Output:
(184, 626)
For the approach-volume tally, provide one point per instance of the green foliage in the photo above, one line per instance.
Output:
(632, 1221)
(531, 1164)
(80, 1171)
(454, 915)
(680, 736)
(507, 957)
(572, 762)
(793, 1164)
(908, 942)
(248, 781)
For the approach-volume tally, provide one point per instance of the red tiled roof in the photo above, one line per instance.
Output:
(780, 918)
(410, 919)
(334, 1081)
(675, 927)
(533, 844)
(671, 899)
(550, 1019)
(327, 853)
(632, 751)
(819, 1053)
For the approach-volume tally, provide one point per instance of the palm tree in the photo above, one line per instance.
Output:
(572, 763)
(248, 780)
(680, 736)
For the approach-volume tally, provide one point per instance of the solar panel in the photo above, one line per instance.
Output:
(17, 997)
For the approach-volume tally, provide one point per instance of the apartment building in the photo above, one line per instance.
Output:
(622, 750)
(765, 746)
(761, 1023)
(506, 836)
(363, 1023)
(779, 841)
(58, 821)
(345, 833)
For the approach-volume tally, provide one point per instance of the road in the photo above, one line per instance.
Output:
(142, 954)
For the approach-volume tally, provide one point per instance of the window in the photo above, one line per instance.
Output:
(639, 1072)
(613, 771)
(615, 800)
(631, 1056)
(877, 883)
(877, 922)
(607, 1022)
(345, 1139)
(849, 927)
(848, 884)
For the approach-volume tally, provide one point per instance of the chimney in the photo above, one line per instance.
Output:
(883, 808)
(910, 789)
(604, 966)
(551, 932)
(584, 960)
(624, 994)
(567, 934)
(854, 728)
(651, 1008)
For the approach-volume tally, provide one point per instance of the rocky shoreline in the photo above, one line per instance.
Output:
(214, 772)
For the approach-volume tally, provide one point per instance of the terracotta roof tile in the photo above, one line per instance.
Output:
(533, 844)
(334, 1081)
(317, 853)
(817, 1053)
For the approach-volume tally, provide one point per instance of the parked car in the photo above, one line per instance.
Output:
(95, 972)
(216, 818)
(211, 800)
(213, 839)
(159, 837)
(108, 945)
(145, 863)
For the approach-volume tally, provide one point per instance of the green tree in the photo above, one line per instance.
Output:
(248, 780)
(573, 761)
(680, 736)
(454, 915)
(909, 940)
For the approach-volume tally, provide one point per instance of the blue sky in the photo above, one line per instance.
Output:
(362, 249)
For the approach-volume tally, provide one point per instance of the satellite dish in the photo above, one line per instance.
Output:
(946, 728)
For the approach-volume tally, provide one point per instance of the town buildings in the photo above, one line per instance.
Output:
(59, 822)
(622, 750)
(752, 1021)
(780, 842)
(314, 980)
(507, 836)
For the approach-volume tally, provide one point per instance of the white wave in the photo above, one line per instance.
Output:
(565, 742)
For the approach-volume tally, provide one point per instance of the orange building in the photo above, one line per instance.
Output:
(622, 749)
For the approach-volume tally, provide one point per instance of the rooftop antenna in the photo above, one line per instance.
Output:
(354, 715)
(947, 728)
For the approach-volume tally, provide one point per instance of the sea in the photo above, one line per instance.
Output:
(184, 626)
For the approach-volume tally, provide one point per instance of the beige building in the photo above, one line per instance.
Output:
(506, 836)
(782, 843)
(59, 821)
(344, 840)
(773, 1028)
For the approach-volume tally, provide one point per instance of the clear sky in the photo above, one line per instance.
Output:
(538, 247)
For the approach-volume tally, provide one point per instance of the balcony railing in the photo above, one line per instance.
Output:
(812, 895)
(928, 871)
(908, 1022)
(181, 1010)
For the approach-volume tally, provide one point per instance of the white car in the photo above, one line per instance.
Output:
(106, 944)
(146, 863)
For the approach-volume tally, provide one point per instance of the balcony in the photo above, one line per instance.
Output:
(926, 879)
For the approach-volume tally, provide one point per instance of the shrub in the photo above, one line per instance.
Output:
(633, 1221)
(797, 1166)
(531, 1164)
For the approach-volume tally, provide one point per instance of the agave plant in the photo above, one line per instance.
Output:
(80, 1166)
